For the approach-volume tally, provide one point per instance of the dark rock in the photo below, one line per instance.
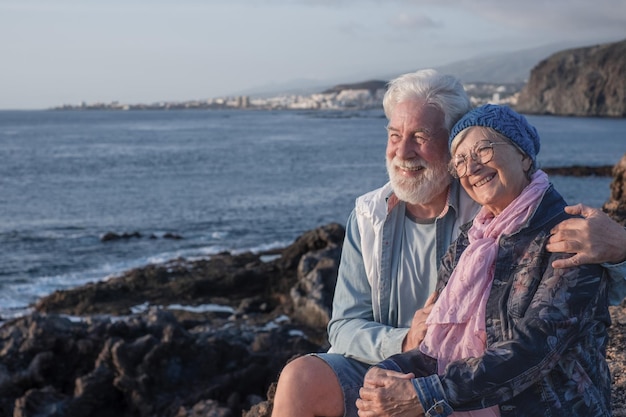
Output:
(223, 279)
(616, 205)
(580, 171)
(52, 366)
(109, 236)
(578, 82)
(161, 359)
(173, 236)
(312, 295)
(208, 408)
(42, 402)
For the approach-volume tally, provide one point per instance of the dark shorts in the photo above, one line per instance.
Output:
(350, 374)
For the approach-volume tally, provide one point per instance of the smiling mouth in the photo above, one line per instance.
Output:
(410, 168)
(484, 181)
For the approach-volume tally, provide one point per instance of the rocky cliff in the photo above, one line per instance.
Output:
(578, 82)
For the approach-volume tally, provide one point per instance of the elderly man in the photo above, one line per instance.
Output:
(395, 239)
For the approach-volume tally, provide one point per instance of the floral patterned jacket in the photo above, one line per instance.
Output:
(546, 334)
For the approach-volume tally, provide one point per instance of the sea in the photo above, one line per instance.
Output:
(192, 183)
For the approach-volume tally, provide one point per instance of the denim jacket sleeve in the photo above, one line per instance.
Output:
(352, 330)
(427, 386)
(561, 309)
(617, 283)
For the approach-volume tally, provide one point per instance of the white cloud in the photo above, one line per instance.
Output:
(553, 15)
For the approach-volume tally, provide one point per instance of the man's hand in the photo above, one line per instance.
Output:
(388, 393)
(595, 238)
(417, 331)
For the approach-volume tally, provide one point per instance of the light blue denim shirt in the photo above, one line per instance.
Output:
(367, 324)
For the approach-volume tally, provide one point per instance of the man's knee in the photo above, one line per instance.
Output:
(308, 386)
(306, 370)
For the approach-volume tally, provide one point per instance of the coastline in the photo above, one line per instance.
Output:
(170, 361)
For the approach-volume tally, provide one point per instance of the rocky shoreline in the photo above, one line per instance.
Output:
(142, 345)
(195, 338)
(580, 171)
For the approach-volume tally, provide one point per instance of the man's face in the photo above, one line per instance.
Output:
(417, 152)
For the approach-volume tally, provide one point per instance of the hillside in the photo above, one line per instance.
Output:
(371, 85)
(511, 67)
(507, 68)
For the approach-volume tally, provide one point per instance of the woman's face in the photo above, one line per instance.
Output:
(496, 183)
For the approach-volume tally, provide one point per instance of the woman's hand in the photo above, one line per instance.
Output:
(418, 328)
(388, 393)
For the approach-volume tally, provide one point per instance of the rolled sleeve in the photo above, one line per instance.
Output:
(430, 393)
(617, 283)
(429, 389)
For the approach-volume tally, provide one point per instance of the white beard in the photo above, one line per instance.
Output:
(434, 180)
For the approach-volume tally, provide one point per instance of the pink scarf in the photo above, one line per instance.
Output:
(456, 325)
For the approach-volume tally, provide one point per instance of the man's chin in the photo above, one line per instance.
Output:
(422, 193)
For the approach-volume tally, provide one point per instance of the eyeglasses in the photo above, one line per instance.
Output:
(481, 153)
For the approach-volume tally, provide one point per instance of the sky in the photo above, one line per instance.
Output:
(55, 52)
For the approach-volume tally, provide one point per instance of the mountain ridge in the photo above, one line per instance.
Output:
(508, 68)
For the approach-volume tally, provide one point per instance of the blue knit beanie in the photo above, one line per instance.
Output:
(505, 121)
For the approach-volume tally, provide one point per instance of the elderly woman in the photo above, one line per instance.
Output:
(509, 335)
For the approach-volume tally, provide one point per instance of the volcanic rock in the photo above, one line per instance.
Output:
(616, 205)
(141, 345)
